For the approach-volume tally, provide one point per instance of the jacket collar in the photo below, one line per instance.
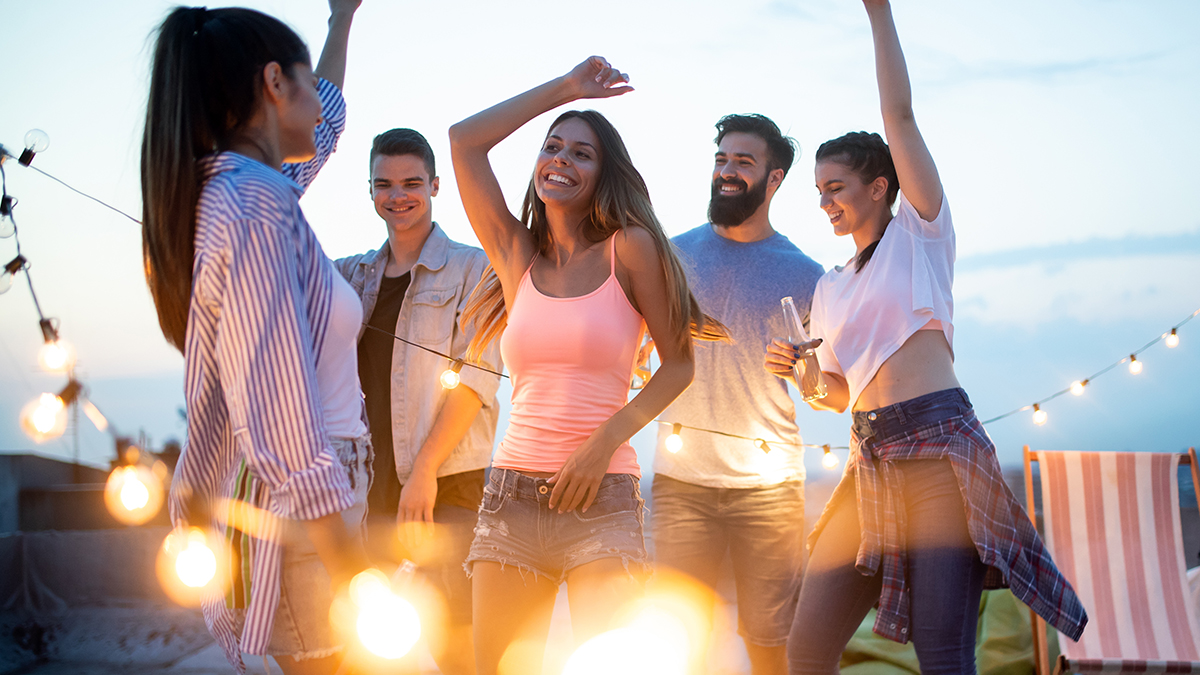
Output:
(434, 254)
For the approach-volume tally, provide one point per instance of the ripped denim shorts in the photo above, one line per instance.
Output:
(517, 527)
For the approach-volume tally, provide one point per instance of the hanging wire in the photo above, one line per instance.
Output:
(1100, 372)
(726, 434)
(434, 351)
(77, 191)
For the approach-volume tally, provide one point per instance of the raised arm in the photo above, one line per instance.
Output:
(506, 241)
(914, 165)
(332, 65)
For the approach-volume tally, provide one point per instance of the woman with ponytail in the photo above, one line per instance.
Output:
(576, 281)
(922, 520)
(237, 125)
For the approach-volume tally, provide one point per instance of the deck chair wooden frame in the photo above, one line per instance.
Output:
(1041, 652)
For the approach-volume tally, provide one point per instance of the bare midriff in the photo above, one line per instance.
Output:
(923, 364)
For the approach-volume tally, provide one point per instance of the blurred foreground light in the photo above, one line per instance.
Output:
(44, 418)
(1077, 387)
(1173, 339)
(1039, 415)
(1135, 366)
(655, 642)
(133, 494)
(190, 564)
(450, 377)
(56, 356)
(387, 625)
(674, 442)
(830, 460)
(93, 413)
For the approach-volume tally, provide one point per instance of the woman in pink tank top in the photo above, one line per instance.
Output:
(574, 285)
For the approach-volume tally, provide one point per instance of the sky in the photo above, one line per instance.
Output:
(1064, 132)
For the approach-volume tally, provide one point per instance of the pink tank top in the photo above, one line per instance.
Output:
(571, 361)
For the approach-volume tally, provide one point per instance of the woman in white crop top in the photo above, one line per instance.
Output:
(922, 518)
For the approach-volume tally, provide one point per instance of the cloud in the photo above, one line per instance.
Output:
(1188, 242)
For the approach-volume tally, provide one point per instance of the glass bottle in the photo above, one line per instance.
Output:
(806, 369)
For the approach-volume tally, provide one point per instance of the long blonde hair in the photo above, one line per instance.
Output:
(621, 201)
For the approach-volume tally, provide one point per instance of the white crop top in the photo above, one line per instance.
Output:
(865, 317)
(337, 370)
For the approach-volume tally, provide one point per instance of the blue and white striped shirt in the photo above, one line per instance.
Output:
(261, 297)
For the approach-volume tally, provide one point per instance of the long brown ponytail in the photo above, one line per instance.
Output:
(621, 201)
(205, 80)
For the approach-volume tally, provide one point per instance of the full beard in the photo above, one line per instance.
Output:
(733, 210)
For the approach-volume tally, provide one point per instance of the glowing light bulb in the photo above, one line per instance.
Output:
(133, 494)
(196, 564)
(44, 418)
(37, 140)
(830, 460)
(387, 624)
(56, 356)
(674, 442)
(1039, 415)
(1135, 366)
(450, 377)
(1173, 339)
(1077, 387)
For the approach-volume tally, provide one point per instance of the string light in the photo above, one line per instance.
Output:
(45, 418)
(762, 445)
(1039, 415)
(674, 442)
(36, 141)
(829, 460)
(10, 270)
(450, 377)
(1170, 338)
(133, 493)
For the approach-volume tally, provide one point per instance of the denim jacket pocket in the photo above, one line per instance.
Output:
(432, 319)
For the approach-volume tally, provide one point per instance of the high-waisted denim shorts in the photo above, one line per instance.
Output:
(517, 526)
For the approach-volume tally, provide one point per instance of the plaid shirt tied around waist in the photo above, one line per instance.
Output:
(1003, 535)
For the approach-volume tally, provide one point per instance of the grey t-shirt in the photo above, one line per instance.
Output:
(741, 285)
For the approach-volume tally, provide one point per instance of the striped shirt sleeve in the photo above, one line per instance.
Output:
(333, 123)
(266, 363)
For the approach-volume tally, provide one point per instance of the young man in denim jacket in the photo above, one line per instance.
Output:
(431, 444)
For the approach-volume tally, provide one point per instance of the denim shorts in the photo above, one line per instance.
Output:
(517, 526)
(302, 629)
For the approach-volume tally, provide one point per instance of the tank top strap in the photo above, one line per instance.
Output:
(612, 254)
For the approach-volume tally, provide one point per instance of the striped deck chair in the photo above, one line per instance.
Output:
(1111, 521)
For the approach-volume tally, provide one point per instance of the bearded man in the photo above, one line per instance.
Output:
(720, 494)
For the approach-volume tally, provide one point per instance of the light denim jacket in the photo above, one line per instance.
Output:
(442, 280)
